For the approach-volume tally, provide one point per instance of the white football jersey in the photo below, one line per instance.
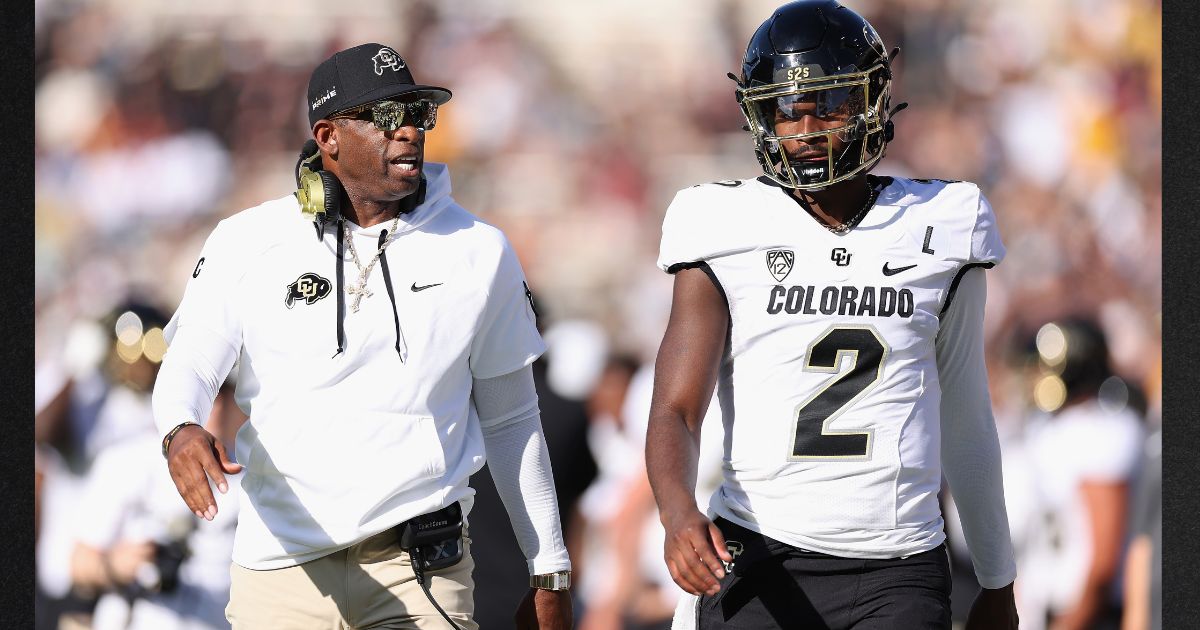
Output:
(829, 386)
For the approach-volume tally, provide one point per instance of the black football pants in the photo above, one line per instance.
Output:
(774, 585)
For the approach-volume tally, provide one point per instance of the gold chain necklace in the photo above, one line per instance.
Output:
(846, 226)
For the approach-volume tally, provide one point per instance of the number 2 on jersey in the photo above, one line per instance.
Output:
(811, 439)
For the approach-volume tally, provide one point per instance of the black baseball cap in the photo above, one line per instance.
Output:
(360, 75)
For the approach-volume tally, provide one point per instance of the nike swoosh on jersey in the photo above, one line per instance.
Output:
(416, 288)
(887, 271)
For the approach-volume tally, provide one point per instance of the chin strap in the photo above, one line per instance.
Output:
(889, 128)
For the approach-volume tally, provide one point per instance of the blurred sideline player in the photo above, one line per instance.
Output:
(1143, 561)
(839, 316)
(96, 397)
(1084, 456)
(156, 566)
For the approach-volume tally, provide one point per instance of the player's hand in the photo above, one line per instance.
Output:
(694, 550)
(196, 456)
(545, 610)
(994, 609)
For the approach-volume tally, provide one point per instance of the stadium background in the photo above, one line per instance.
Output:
(572, 125)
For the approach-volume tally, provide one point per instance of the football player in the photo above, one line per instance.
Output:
(1084, 454)
(839, 316)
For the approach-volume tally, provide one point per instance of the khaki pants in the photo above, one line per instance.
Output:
(368, 585)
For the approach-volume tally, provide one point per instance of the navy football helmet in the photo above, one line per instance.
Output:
(824, 59)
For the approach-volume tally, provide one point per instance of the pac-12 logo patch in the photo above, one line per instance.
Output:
(779, 263)
(309, 287)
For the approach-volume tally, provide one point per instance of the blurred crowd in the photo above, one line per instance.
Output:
(572, 125)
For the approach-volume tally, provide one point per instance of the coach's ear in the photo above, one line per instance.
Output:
(326, 135)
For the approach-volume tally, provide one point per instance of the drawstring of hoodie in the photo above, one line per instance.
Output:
(401, 346)
(341, 294)
(407, 205)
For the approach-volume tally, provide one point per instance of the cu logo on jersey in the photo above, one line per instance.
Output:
(840, 257)
(309, 287)
(779, 263)
(387, 58)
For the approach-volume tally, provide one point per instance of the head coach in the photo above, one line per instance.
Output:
(384, 337)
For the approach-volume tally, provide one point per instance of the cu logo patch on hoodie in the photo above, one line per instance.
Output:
(309, 287)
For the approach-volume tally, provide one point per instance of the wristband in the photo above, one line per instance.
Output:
(166, 443)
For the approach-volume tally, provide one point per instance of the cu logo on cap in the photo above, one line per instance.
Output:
(387, 58)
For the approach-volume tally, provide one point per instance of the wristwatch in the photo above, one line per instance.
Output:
(557, 581)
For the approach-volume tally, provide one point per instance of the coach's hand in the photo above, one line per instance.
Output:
(994, 609)
(695, 548)
(545, 610)
(194, 457)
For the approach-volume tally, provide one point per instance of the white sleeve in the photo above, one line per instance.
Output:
(191, 374)
(210, 299)
(970, 446)
(986, 246)
(519, 462)
(687, 236)
(507, 338)
(1110, 450)
(205, 335)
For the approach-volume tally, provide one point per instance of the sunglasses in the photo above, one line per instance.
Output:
(390, 115)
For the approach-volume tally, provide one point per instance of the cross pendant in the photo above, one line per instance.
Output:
(359, 292)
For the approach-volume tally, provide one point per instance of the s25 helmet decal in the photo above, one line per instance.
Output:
(816, 60)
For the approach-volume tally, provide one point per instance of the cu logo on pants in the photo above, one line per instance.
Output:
(840, 256)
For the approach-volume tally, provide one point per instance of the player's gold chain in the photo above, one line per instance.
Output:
(846, 226)
(360, 290)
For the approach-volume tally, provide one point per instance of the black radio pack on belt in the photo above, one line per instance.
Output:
(433, 541)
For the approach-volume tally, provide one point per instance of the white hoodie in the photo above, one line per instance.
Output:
(341, 446)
